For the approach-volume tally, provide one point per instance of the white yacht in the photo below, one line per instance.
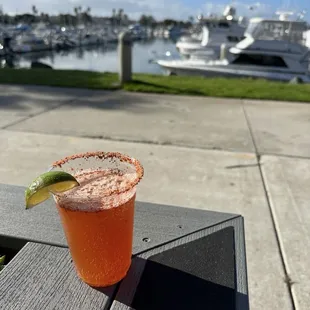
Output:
(272, 49)
(226, 29)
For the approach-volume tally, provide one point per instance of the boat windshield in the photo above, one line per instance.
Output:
(292, 31)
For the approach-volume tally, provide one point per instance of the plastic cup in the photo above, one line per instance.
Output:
(98, 215)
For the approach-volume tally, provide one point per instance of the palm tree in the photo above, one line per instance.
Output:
(88, 15)
(120, 16)
(77, 12)
(34, 10)
(1, 14)
(120, 13)
(125, 18)
(113, 17)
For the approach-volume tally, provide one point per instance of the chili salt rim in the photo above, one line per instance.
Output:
(105, 155)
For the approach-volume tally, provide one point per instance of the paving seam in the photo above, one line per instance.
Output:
(149, 142)
(286, 279)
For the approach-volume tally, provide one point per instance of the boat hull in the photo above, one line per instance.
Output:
(225, 71)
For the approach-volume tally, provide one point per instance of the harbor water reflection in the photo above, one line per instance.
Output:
(99, 58)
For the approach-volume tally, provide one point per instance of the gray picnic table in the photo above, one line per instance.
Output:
(182, 259)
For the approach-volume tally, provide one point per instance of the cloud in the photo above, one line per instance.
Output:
(259, 9)
(134, 8)
(242, 8)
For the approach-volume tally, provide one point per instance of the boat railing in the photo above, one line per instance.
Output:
(168, 55)
(305, 58)
(279, 30)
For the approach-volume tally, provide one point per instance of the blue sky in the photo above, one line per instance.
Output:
(179, 9)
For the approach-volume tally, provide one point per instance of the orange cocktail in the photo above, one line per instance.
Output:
(97, 216)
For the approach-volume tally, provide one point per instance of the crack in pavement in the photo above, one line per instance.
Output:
(287, 278)
(241, 166)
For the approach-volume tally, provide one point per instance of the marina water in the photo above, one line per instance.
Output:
(103, 58)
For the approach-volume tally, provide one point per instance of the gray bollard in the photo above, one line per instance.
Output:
(125, 59)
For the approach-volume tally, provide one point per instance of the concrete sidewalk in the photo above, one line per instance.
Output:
(247, 157)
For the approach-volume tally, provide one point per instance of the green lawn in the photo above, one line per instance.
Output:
(215, 87)
(61, 78)
(220, 87)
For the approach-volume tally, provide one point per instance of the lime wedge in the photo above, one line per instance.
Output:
(45, 184)
(2, 260)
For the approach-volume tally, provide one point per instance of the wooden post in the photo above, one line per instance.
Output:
(125, 58)
(223, 51)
